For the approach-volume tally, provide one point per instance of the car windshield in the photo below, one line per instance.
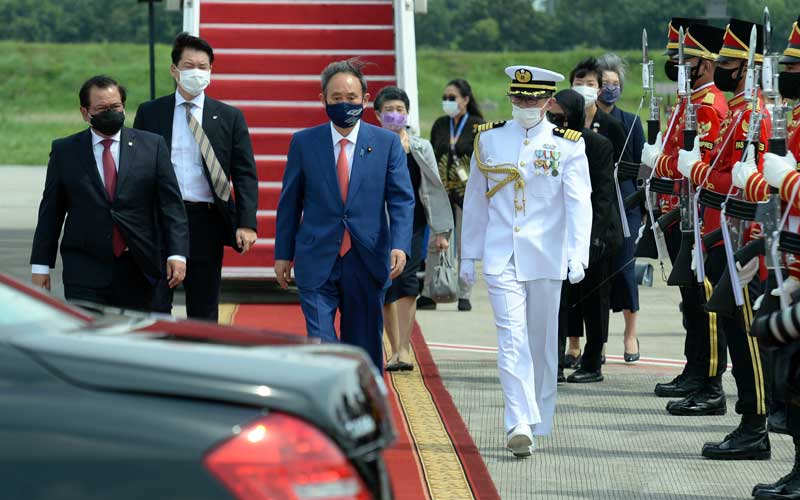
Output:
(18, 308)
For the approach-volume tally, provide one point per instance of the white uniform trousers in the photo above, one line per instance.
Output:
(526, 317)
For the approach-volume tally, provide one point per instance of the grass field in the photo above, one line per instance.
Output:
(39, 94)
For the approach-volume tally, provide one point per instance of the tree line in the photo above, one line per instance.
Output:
(514, 25)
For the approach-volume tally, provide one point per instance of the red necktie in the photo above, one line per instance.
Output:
(110, 178)
(344, 182)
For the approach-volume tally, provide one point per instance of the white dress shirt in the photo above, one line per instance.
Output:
(350, 148)
(97, 150)
(186, 158)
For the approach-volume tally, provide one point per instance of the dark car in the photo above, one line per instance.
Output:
(144, 408)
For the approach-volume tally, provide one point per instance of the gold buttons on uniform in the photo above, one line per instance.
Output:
(526, 142)
(516, 229)
(522, 164)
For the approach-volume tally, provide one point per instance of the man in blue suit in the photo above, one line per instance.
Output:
(344, 215)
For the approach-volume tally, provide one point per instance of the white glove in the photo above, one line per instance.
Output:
(776, 168)
(467, 271)
(651, 152)
(687, 159)
(742, 170)
(757, 303)
(790, 285)
(748, 271)
(576, 272)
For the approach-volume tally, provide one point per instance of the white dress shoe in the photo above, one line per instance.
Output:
(520, 441)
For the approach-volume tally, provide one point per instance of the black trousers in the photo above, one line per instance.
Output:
(792, 390)
(203, 266)
(704, 357)
(587, 303)
(129, 288)
(749, 366)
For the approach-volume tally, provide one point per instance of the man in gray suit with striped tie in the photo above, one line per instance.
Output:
(212, 155)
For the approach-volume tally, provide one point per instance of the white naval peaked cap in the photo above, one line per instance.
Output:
(532, 81)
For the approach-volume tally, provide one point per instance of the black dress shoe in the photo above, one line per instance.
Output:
(787, 487)
(709, 400)
(571, 361)
(399, 366)
(464, 305)
(425, 303)
(561, 378)
(679, 387)
(630, 358)
(749, 441)
(582, 376)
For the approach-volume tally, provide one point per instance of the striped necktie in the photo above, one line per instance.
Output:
(219, 181)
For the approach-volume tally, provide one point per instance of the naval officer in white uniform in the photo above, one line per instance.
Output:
(528, 217)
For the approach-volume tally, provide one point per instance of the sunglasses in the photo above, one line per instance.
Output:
(449, 97)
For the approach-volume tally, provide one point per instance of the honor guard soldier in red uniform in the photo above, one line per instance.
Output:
(705, 360)
(750, 439)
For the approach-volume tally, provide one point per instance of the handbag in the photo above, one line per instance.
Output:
(444, 285)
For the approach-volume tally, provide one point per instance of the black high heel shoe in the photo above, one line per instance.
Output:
(630, 358)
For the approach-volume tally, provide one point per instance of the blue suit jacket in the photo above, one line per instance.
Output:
(312, 218)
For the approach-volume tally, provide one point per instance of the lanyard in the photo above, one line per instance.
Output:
(454, 136)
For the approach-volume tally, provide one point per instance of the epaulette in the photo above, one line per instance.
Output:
(567, 133)
(483, 127)
(709, 99)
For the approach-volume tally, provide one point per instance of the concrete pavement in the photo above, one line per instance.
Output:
(611, 440)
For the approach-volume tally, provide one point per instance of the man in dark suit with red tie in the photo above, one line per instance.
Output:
(212, 156)
(110, 183)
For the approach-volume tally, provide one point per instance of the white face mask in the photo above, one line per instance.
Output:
(450, 108)
(526, 117)
(589, 94)
(194, 81)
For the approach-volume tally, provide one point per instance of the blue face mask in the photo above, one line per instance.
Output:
(610, 94)
(344, 114)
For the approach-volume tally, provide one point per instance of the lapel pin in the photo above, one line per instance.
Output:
(369, 149)
(130, 143)
(214, 117)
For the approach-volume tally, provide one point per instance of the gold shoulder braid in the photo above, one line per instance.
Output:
(510, 171)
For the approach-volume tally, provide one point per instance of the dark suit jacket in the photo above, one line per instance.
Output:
(146, 190)
(312, 218)
(227, 131)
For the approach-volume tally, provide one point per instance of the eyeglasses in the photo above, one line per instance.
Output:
(528, 100)
(449, 97)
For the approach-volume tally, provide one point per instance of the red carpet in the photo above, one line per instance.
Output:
(434, 455)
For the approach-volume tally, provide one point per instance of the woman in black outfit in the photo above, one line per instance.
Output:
(587, 303)
(452, 136)
(586, 79)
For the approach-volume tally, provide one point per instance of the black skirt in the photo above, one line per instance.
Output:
(407, 284)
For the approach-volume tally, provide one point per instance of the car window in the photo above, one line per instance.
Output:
(19, 308)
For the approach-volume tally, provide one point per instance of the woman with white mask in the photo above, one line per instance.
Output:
(452, 136)
(586, 79)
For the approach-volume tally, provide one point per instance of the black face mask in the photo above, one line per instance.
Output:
(671, 69)
(789, 85)
(724, 80)
(694, 74)
(108, 122)
(558, 119)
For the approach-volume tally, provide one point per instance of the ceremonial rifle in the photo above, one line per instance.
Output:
(651, 243)
(728, 295)
(682, 274)
(772, 223)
